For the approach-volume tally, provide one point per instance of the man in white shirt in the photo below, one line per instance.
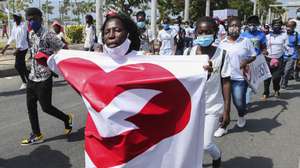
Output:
(90, 34)
(166, 39)
(19, 34)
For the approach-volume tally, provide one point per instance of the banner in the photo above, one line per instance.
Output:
(259, 71)
(143, 111)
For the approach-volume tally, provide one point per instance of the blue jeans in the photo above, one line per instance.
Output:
(238, 91)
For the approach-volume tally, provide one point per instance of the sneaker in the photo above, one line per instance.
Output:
(23, 86)
(264, 98)
(241, 122)
(33, 139)
(220, 132)
(216, 163)
(69, 125)
(276, 94)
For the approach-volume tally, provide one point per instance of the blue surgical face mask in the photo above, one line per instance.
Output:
(166, 26)
(298, 14)
(204, 40)
(35, 25)
(140, 25)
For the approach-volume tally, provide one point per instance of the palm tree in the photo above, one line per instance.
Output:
(47, 9)
(64, 9)
(19, 5)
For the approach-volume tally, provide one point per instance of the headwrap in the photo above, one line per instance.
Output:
(33, 12)
(58, 24)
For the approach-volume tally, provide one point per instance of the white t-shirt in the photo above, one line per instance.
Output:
(277, 44)
(189, 32)
(167, 42)
(213, 88)
(19, 35)
(60, 35)
(238, 51)
(90, 35)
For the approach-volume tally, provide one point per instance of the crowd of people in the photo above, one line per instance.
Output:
(231, 46)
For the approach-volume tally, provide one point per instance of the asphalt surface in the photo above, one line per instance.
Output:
(271, 138)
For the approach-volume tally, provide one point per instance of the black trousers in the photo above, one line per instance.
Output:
(276, 77)
(42, 92)
(20, 65)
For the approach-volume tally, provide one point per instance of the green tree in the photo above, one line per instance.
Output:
(47, 4)
(64, 9)
(122, 6)
(3, 16)
(263, 8)
(19, 5)
(197, 7)
(244, 7)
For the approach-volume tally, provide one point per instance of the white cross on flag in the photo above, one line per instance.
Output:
(143, 111)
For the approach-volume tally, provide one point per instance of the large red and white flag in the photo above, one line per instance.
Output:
(143, 111)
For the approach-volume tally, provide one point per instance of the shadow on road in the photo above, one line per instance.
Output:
(43, 156)
(294, 87)
(255, 161)
(73, 137)
(13, 93)
(259, 125)
(289, 95)
(23, 91)
(259, 105)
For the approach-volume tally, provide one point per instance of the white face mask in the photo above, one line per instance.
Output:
(117, 52)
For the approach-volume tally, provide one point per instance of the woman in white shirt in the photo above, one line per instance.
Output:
(90, 34)
(242, 53)
(217, 90)
(277, 44)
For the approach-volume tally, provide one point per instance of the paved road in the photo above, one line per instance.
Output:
(271, 138)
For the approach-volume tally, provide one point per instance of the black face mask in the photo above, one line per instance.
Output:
(289, 31)
(276, 30)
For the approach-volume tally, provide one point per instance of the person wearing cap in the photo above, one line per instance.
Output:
(44, 43)
(277, 45)
(258, 40)
(19, 35)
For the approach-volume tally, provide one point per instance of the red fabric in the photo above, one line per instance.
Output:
(58, 24)
(165, 115)
(41, 58)
(41, 55)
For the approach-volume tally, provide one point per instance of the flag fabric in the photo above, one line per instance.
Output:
(143, 111)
